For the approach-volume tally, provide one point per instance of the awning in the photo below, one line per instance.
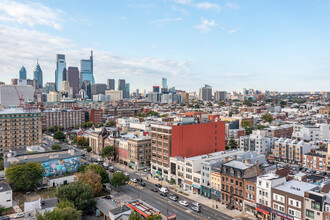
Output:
(196, 186)
(263, 211)
(187, 182)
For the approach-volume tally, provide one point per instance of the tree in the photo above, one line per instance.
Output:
(260, 127)
(226, 147)
(80, 194)
(111, 123)
(247, 102)
(82, 141)
(108, 152)
(230, 114)
(56, 147)
(92, 179)
(172, 181)
(118, 179)
(232, 144)
(267, 117)
(2, 209)
(134, 216)
(89, 149)
(25, 176)
(59, 135)
(1, 164)
(100, 171)
(64, 210)
(155, 217)
(247, 126)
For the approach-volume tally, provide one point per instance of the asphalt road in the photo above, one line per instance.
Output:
(165, 205)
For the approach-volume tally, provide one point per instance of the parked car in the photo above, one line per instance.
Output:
(183, 203)
(196, 208)
(5, 218)
(158, 185)
(163, 194)
(134, 180)
(143, 184)
(20, 215)
(106, 197)
(154, 189)
(174, 198)
(196, 204)
(111, 170)
(163, 190)
(139, 179)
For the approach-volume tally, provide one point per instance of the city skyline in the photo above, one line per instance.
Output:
(241, 44)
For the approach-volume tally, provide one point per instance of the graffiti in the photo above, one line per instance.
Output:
(58, 167)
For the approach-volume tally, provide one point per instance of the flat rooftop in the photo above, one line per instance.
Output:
(143, 207)
(295, 187)
(7, 111)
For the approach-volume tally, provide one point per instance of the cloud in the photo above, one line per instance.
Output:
(165, 21)
(232, 5)
(232, 31)
(206, 25)
(208, 5)
(185, 2)
(182, 10)
(31, 14)
(24, 47)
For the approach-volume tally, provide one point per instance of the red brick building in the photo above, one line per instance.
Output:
(96, 116)
(63, 118)
(315, 161)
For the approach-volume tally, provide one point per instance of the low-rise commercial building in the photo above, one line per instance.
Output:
(6, 195)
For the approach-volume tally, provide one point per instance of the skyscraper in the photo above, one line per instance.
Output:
(73, 78)
(127, 90)
(86, 70)
(164, 83)
(121, 86)
(205, 93)
(60, 65)
(65, 78)
(37, 75)
(110, 84)
(86, 85)
(22, 73)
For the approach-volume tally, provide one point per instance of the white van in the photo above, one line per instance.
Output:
(163, 190)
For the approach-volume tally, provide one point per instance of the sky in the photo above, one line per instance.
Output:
(262, 44)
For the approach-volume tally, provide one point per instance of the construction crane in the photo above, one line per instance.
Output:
(21, 99)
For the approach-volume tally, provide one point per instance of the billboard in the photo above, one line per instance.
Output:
(60, 166)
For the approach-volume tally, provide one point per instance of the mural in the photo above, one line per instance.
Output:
(57, 167)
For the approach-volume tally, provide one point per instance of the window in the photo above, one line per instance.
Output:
(316, 206)
(309, 213)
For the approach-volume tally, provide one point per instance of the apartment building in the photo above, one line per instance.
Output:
(126, 121)
(314, 202)
(139, 152)
(215, 183)
(19, 128)
(315, 161)
(66, 118)
(96, 116)
(315, 133)
(256, 142)
(250, 196)
(184, 140)
(291, 151)
(288, 200)
(283, 131)
(264, 193)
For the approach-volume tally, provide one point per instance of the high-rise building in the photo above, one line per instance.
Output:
(110, 84)
(98, 88)
(65, 75)
(73, 78)
(53, 96)
(86, 85)
(155, 89)
(115, 95)
(164, 83)
(22, 73)
(60, 65)
(127, 90)
(220, 95)
(37, 75)
(121, 86)
(49, 87)
(205, 93)
(86, 70)
(20, 128)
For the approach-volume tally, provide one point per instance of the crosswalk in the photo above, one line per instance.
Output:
(131, 183)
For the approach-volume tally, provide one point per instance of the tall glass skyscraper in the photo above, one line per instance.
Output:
(127, 90)
(37, 75)
(164, 83)
(22, 73)
(86, 70)
(60, 65)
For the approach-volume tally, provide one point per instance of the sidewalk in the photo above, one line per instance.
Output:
(196, 197)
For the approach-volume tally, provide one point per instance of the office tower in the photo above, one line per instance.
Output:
(60, 65)
(20, 128)
(86, 70)
(164, 83)
(127, 90)
(73, 78)
(115, 95)
(65, 78)
(110, 84)
(37, 75)
(49, 87)
(98, 88)
(22, 73)
(155, 89)
(220, 95)
(86, 85)
(121, 86)
(205, 93)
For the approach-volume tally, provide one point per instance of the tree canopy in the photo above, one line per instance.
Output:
(267, 117)
(247, 126)
(80, 194)
(59, 135)
(81, 141)
(232, 144)
(108, 152)
(118, 179)
(25, 176)
(98, 170)
(93, 179)
(56, 147)
(64, 210)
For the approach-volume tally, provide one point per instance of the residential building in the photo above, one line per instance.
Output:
(6, 195)
(60, 65)
(220, 95)
(315, 133)
(96, 116)
(111, 84)
(139, 152)
(38, 207)
(9, 96)
(314, 202)
(205, 93)
(22, 73)
(185, 97)
(256, 142)
(86, 70)
(122, 87)
(215, 183)
(154, 97)
(73, 78)
(65, 118)
(19, 128)
(126, 121)
(315, 161)
(101, 98)
(288, 199)
(250, 196)
(115, 95)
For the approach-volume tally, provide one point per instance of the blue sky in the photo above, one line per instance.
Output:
(275, 45)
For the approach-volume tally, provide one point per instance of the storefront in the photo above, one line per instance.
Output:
(263, 212)
(206, 191)
(187, 185)
(215, 195)
(276, 215)
(196, 188)
(249, 207)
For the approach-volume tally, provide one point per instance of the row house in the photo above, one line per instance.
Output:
(315, 161)
(290, 151)
(315, 203)
(288, 200)
(250, 196)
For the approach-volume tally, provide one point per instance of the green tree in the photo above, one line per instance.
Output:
(25, 176)
(111, 123)
(64, 210)
(2, 209)
(1, 164)
(172, 181)
(89, 149)
(134, 216)
(108, 152)
(226, 147)
(232, 144)
(267, 117)
(100, 171)
(82, 141)
(247, 126)
(59, 135)
(247, 102)
(56, 147)
(155, 217)
(118, 179)
(260, 127)
(80, 194)
(230, 114)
